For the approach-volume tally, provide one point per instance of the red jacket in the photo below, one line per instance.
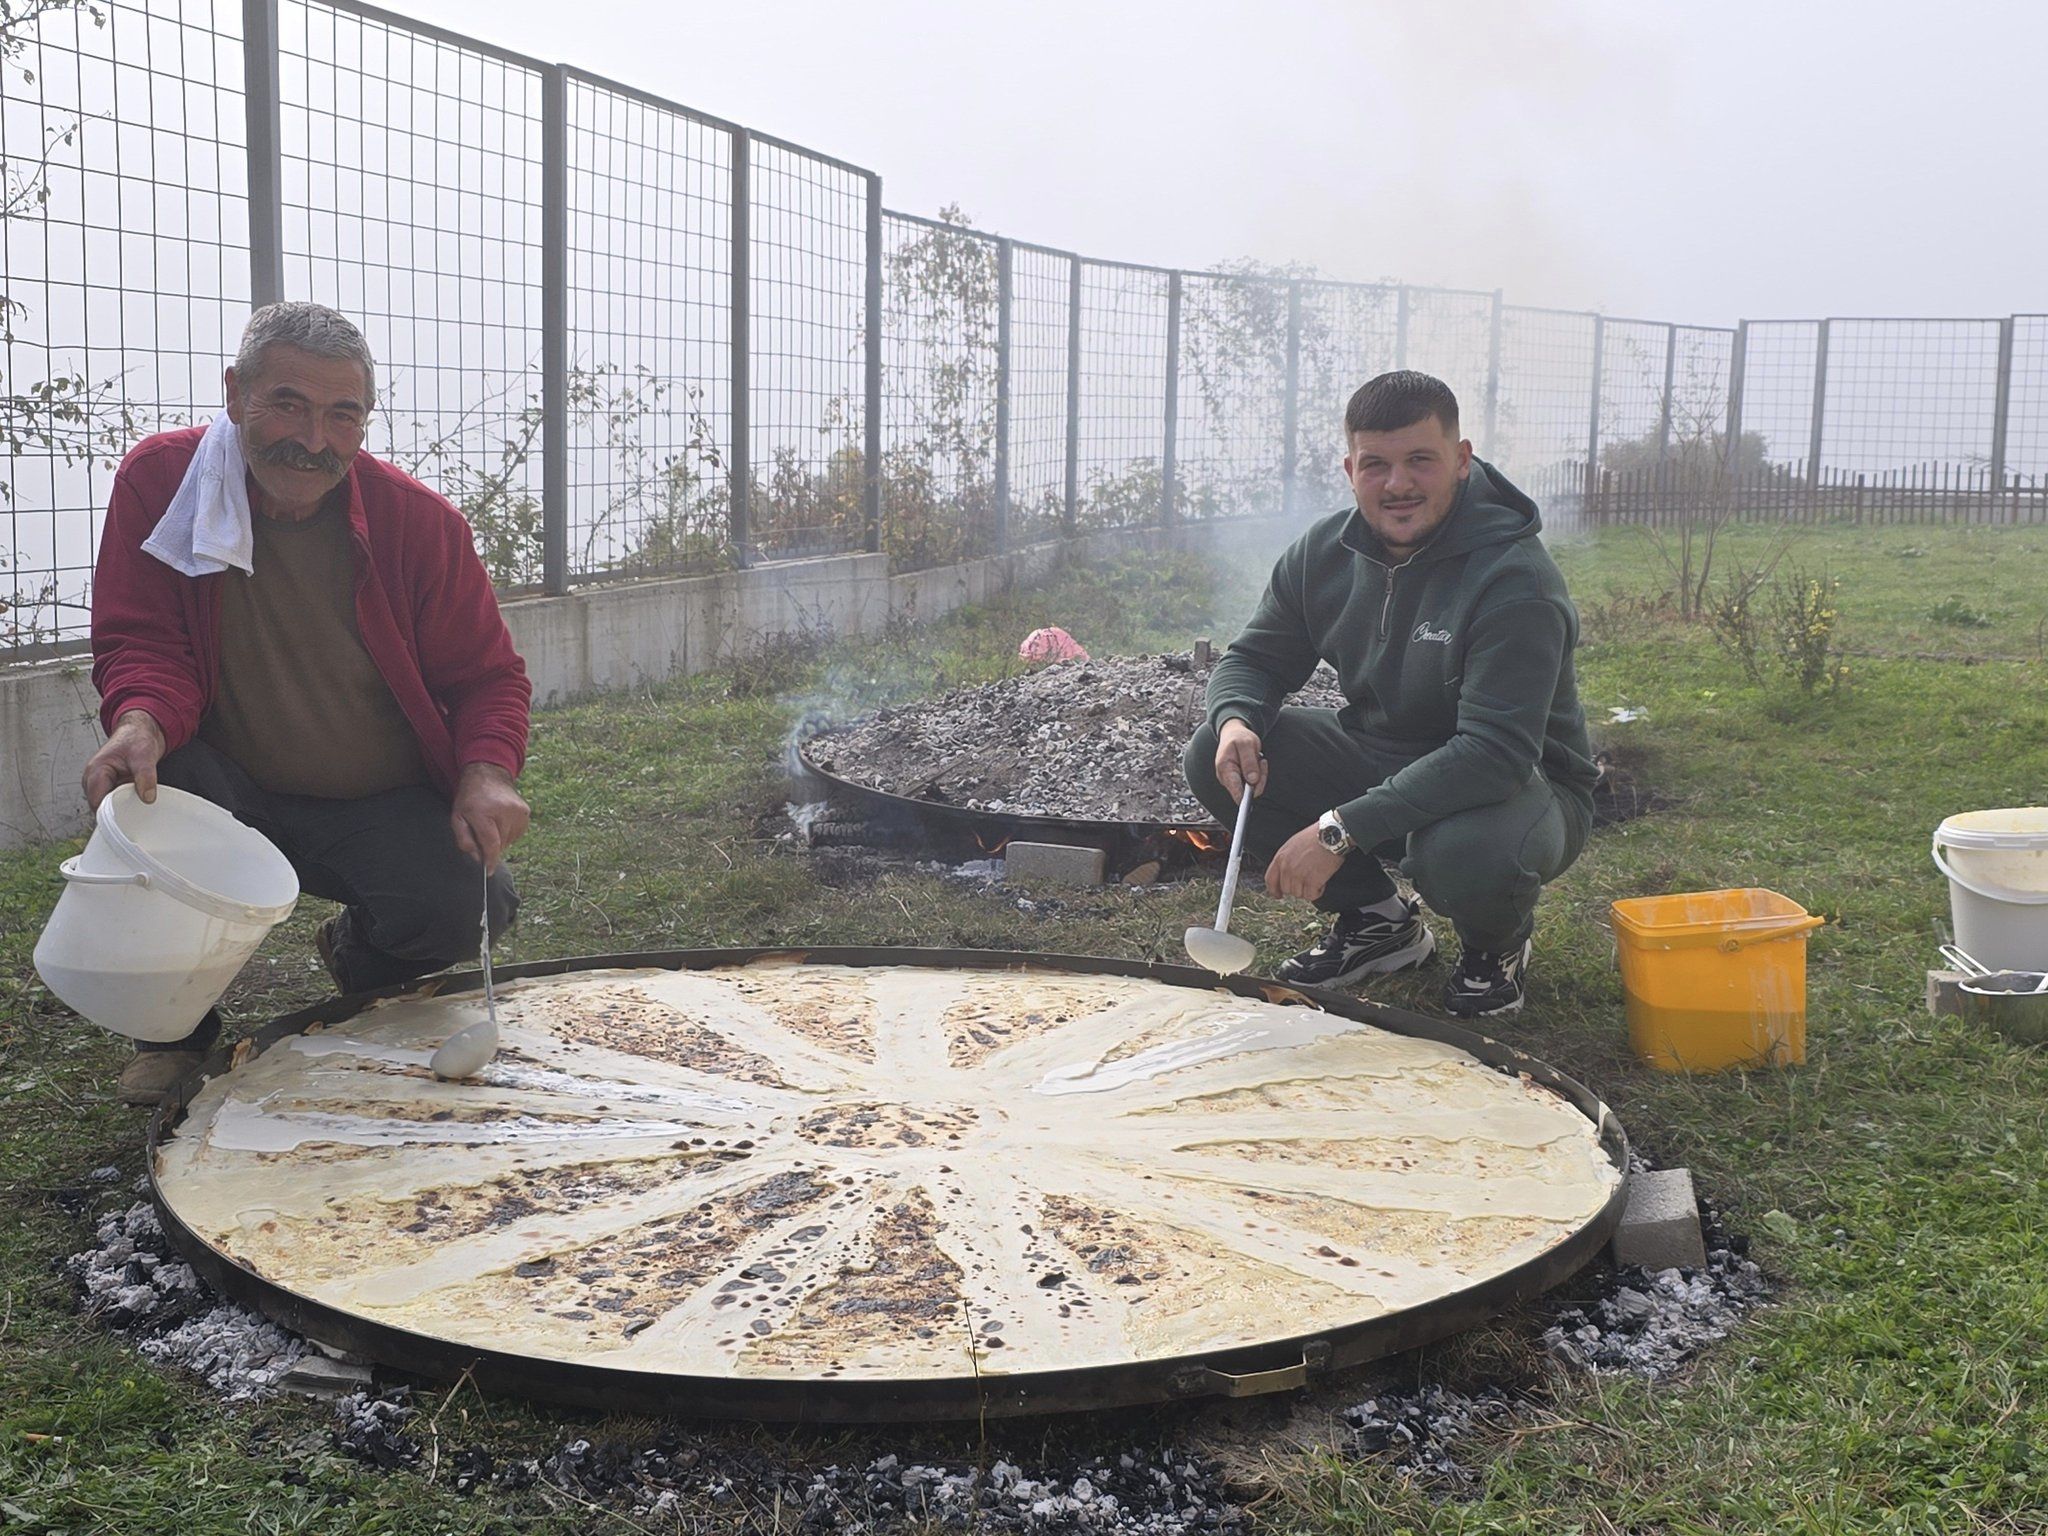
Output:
(424, 608)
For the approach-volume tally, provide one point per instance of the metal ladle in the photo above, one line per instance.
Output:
(1218, 949)
(470, 1049)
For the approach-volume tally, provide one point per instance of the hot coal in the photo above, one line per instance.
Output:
(1637, 1322)
(1652, 1323)
(1155, 1491)
(1095, 740)
(133, 1280)
(1418, 1430)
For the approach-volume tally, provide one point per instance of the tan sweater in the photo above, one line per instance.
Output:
(300, 705)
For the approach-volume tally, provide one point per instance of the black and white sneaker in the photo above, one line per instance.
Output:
(1486, 985)
(1362, 944)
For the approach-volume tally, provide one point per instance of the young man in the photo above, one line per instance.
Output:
(318, 650)
(1462, 751)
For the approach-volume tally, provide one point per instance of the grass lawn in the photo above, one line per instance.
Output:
(1893, 1186)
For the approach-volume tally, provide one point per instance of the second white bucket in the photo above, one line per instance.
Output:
(1997, 868)
(160, 912)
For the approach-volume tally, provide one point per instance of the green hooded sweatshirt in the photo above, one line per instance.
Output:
(1458, 660)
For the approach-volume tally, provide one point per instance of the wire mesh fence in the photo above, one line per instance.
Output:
(1548, 384)
(124, 272)
(1450, 334)
(1636, 361)
(628, 339)
(649, 419)
(941, 313)
(808, 285)
(1121, 429)
(1349, 332)
(1231, 416)
(1041, 304)
(411, 197)
(1780, 359)
(2026, 437)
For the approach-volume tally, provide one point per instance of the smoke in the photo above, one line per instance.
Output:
(1474, 132)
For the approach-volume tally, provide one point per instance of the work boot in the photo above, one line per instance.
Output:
(159, 1065)
(1487, 985)
(1363, 944)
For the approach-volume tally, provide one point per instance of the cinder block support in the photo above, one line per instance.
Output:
(1944, 992)
(314, 1375)
(1660, 1225)
(1056, 863)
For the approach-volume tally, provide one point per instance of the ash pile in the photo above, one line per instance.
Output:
(1090, 740)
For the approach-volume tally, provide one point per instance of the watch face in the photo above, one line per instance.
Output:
(1332, 837)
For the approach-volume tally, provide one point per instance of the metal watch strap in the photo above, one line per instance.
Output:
(1332, 819)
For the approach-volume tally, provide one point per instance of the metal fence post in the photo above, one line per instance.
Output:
(1820, 408)
(1071, 516)
(1738, 363)
(2002, 409)
(1664, 410)
(739, 463)
(1167, 466)
(1401, 326)
(1593, 410)
(266, 152)
(1290, 405)
(554, 329)
(871, 378)
(1005, 284)
(1493, 373)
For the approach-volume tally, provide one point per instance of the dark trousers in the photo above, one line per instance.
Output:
(412, 896)
(1483, 868)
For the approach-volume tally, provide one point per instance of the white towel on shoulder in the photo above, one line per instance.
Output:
(207, 527)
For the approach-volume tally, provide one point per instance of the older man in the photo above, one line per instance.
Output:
(346, 687)
(1462, 750)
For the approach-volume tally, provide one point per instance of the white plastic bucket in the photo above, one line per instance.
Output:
(160, 912)
(1997, 868)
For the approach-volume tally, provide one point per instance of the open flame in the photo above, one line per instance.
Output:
(993, 850)
(1201, 842)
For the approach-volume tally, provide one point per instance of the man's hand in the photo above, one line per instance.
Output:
(129, 757)
(1238, 761)
(488, 814)
(1302, 867)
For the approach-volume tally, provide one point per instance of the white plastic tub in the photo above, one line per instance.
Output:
(161, 912)
(1997, 868)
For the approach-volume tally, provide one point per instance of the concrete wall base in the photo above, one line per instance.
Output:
(603, 639)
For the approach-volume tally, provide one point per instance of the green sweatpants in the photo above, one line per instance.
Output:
(1483, 868)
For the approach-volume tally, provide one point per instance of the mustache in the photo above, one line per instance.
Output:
(290, 455)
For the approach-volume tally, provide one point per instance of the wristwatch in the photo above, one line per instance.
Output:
(1331, 834)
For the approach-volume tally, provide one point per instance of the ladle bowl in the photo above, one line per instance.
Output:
(1224, 953)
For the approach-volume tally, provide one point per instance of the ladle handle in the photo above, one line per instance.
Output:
(1244, 810)
(1962, 962)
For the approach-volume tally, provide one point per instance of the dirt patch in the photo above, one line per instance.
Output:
(1623, 791)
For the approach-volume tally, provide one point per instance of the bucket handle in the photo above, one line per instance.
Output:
(1993, 893)
(1793, 930)
(70, 871)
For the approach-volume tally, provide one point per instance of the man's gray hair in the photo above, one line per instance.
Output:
(311, 328)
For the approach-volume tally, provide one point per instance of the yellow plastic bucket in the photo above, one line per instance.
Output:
(1714, 979)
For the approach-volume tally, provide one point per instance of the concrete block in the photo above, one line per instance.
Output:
(314, 1375)
(1660, 1225)
(1944, 992)
(619, 635)
(1055, 862)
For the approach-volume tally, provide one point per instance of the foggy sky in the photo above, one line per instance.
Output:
(1701, 162)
